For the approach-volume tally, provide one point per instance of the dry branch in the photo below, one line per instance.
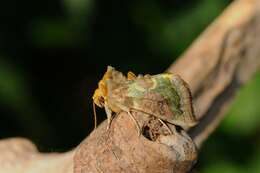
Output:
(123, 149)
(223, 58)
(18, 155)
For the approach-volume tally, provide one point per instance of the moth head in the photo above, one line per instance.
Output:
(100, 94)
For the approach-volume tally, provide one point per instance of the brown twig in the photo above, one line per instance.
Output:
(123, 149)
(225, 56)
(19, 155)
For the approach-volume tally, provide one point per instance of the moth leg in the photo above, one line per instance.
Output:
(95, 115)
(109, 116)
(135, 121)
(163, 123)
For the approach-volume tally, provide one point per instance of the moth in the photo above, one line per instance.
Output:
(165, 96)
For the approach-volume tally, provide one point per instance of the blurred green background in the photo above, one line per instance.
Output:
(53, 53)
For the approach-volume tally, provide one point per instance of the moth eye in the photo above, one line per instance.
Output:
(101, 100)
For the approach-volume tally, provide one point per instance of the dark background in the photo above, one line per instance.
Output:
(53, 53)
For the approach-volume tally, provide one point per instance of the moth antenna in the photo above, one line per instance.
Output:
(95, 115)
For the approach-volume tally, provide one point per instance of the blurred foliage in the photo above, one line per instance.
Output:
(246, 121)
(52, 54)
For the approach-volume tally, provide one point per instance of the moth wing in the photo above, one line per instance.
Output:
(165, 107)
(186, 104)
(117, 96)
(159, 108)
(171, 102)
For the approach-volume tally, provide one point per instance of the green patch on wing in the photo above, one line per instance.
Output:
(164, 87)
(136, 90)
